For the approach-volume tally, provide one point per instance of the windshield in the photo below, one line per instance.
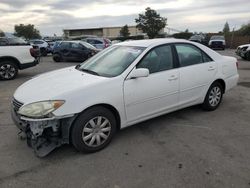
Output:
(87, 45)
(112, 61)
(16, 41)
(217, 38)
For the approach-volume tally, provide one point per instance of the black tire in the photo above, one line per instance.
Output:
(57, 58)
(8, 70)
(208, 103)
(43, 52)
(248, 56)
(82, 123)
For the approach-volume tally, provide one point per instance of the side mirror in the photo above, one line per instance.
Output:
(138, 73)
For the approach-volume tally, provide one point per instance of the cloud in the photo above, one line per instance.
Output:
(51, 16)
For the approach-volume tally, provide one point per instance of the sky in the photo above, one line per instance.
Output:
(52, 16)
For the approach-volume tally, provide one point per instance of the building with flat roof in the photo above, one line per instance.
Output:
(106, 32)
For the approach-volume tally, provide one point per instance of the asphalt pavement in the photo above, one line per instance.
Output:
(188, 148)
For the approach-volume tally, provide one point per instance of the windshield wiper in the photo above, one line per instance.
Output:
(89, 71)
(77, 66)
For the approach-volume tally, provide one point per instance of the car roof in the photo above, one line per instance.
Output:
(151, 42)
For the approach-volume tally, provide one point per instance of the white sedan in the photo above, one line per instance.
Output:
(123, 85)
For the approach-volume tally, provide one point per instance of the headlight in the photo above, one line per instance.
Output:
(40, 109)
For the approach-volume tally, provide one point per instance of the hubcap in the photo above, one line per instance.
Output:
(96, 131)
(7, 71)
(215, 96)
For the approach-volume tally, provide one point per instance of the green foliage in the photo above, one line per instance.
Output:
(226, 28)
(244, 30)
(124, 32)
(183, 35)
(151, 22)
(27, 31)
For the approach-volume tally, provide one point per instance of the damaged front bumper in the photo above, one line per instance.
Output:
(44, 135)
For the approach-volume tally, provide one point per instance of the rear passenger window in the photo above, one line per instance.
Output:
(64, 45)
(97, 42)
(158, 59)
(206, 58)
(75, 45)
(188, 55)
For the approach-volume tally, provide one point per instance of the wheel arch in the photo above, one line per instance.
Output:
(108, 106)
(222, 82)
(10, 58)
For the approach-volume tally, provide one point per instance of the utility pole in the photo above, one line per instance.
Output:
(232, 38)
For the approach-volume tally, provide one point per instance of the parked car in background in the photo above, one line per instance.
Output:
(244, 51)
(16, 54)
(200, 38)
(55, 45)
(99, 43)
(125, 84)
(15, 41)
(77, 51)
(50, 46)
(42, 45)
(217, 42)
(196, 38)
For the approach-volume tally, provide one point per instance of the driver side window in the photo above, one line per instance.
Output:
(157, 60)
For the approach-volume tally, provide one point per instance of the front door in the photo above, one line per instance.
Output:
(152, 95)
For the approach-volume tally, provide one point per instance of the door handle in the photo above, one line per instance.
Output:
(211, 68)
(173, 77)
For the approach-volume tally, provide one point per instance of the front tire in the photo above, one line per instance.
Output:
(93, 130)
(57, 58)
(213, 97)
(8, 70)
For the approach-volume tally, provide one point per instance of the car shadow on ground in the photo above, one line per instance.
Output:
(146, 128)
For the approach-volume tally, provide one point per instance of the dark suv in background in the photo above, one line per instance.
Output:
(77, 51)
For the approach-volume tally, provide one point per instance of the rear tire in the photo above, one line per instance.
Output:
(8, 70)
(213, 97)
(93, 130)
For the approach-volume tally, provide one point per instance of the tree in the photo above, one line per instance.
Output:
(124, 32)
(1, 33)
(226, 28)
(244, 30)
(151, 22)
(27, 31)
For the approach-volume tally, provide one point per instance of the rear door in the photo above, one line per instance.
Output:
(65, 50)
(197, 71)
(78, 52)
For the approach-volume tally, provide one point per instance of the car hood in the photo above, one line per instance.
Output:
(52, 85)
(217, 40)
(245, 45)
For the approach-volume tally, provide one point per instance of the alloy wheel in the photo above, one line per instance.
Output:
(7, 71)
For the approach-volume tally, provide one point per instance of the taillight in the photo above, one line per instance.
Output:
(237, 64)
(32, 52)
(106, 43)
